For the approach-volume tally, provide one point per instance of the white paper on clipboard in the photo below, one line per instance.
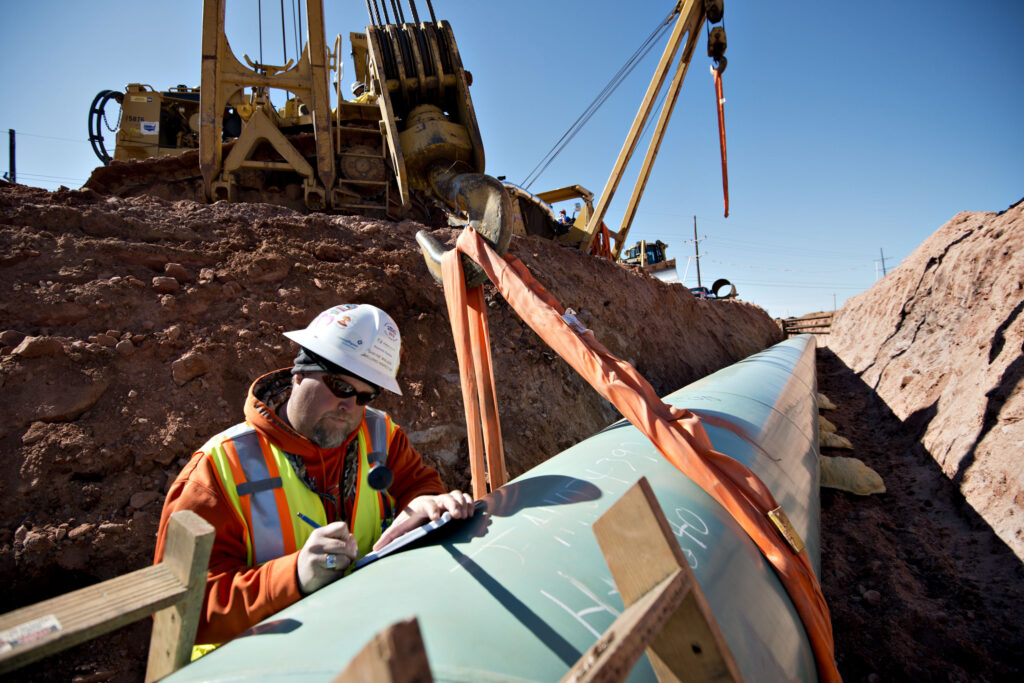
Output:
(404, 540)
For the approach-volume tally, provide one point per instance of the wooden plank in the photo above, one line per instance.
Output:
(810, 317)
(395, 655)
(36, 631)
(612, 657)
(59, 623)
(642, 552)
(186, 557)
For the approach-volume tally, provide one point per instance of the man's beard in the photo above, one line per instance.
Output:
(326, 436)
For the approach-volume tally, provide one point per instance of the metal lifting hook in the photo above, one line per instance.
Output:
(483, 200)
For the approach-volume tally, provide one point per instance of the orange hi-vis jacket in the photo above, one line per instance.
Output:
(243, 484)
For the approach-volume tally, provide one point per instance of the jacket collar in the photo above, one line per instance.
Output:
(263, 407)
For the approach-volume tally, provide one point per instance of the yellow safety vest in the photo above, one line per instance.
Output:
(267, 494)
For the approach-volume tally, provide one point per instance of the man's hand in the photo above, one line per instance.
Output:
(327, 552)
(458, 504)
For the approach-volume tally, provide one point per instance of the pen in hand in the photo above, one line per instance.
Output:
(313, 524)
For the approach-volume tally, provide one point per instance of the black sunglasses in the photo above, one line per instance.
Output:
(343, 389)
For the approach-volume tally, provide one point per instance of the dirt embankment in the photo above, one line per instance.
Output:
(131, 328)
(925, 582)
(941, 341)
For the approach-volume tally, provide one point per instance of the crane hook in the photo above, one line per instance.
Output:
(488, 208)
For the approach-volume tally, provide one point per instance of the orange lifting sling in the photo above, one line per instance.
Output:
(677, 433)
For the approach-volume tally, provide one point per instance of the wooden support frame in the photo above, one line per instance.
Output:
(666, 611)
(395, 655)
(173, 590)
(817, 324)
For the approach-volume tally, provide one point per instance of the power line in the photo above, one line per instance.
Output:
(800, 285)
(47, 177)
(48, 137)
(849, 269)
(618, 79)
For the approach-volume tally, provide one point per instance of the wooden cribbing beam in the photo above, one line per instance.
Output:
(666, 612)
(186, 556)
(818, 324)
(173, 589)
(395, 655)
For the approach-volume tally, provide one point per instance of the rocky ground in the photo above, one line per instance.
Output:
(929, 368)
(131, 327)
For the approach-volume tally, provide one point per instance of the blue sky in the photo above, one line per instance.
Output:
(852, 128)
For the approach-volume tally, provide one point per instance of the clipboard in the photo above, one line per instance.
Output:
(405, 539)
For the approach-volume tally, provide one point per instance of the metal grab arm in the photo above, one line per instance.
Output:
(477, 200)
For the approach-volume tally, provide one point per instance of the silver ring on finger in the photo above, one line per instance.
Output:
(331, 562)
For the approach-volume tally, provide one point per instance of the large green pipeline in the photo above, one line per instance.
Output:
(521, 591)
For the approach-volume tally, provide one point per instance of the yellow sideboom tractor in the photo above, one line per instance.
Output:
(407, 146)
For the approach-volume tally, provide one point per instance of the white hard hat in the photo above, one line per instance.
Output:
(358, 87)
(359, 338)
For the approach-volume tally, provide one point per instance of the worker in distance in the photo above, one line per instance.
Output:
(313, 477)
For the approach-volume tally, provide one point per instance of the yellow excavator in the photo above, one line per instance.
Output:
(653, 257)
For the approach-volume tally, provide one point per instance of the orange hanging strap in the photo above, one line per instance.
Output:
(677, 434)
(720, 102)
(480, 338)
(602, 246)
(468, 314)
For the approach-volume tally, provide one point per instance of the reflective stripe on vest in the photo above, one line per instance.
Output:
(267, 494)
(371, 510)
(260, 487)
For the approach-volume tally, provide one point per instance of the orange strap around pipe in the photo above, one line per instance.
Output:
(720, 102)
(468, 314)
(677, 433)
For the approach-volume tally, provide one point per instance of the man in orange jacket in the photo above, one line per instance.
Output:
(312, 478)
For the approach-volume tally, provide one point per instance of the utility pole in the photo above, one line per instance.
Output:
(696, 249)
(883, 261)
(833, 302)
(13, 174)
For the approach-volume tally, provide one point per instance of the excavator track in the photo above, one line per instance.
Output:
(175, 178)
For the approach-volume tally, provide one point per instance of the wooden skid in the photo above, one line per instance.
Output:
(173, 589)
(667, 614)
